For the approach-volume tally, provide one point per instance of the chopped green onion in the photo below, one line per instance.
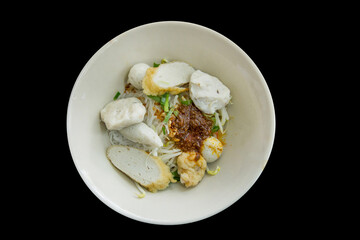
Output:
(176, 175)
(166, 104)
(176, 113)
(213, 119)
(215, 129)
(163, 100)
(168, 115)
(116, 95)
(163, 130)
(156, 98)
(186, 103)
(161, 62)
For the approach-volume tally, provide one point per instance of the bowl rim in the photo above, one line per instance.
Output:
(129, 214)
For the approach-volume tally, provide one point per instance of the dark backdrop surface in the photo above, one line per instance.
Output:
(65, 40)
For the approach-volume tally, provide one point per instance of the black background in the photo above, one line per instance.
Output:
(268, 198)
(282, 202)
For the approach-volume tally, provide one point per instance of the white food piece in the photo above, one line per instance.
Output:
(211, 149)
(137, 74)
(142, 133)
(123, 113)
(191, 168)
(168, 77)
(208, 92)
(149, 171)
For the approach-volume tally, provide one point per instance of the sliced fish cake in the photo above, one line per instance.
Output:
(148, 171)
(168, 77)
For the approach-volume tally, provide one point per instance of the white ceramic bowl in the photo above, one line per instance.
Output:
(249, 138)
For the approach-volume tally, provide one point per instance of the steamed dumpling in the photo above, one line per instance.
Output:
(167, 77)
(142, 133)
(122, 113)
(137, 74)
(208, 92)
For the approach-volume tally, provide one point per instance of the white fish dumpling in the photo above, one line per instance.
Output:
(137, 74)
(208, 92)
(122, 113)
(142, 133)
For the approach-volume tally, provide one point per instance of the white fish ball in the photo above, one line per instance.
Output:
(211, 149)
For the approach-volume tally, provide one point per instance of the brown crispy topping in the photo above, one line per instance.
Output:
(190, 128)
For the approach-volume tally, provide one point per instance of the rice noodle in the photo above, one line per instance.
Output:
(167, 154)
(218, 123)
(221, 119)
(224, 116)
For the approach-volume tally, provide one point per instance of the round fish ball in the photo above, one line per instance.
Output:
(211, 149)
(137, 74)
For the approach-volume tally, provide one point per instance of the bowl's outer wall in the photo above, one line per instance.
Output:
(249, 138)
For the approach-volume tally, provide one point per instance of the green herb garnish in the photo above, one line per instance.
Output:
(166, 103)
(215, 129)
(176, 175)
(163, 130)
(163, 100)
(186, 103)
(168, 115)
(116, 95)
(156, 98)
(176, 113)
(161, 62)
(213, 119)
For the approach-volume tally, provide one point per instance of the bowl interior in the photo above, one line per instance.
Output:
(249, 137)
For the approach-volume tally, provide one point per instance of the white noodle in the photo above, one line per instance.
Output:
(218, 123)
(142, 192)
(167, 154)
(165, 157)
(224, 116)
